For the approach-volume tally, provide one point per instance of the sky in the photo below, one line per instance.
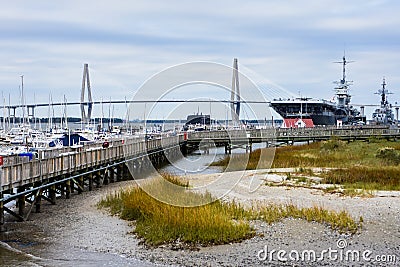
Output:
(289, 45)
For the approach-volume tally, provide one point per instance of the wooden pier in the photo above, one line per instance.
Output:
(278, 136)
(63, 172)
(66, 171)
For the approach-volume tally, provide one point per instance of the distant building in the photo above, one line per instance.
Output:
(297, 123)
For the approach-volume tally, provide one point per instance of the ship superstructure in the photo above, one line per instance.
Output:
(383, 114)
(322, 112)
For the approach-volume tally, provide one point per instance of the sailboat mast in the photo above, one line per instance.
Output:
(34, 102)
(4, 111)
(9, 112)
(65, 113)
(22, 99)
(102, 114)
(109, 116)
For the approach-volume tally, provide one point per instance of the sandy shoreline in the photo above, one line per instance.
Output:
(75, 228)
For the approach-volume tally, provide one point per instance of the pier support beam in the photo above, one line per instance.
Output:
(228, 148)
(68, 189)
(52, 194)
(249, 148)
(2, 228)
(124, 172)
(38, 200)
(72, 186)
(80, 185)
(21, 202)
(105, 177)
(119, 175)
(90, 181)
(112, 174)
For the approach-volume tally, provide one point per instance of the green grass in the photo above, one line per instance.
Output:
(341, 221)
(372, 165)
(366, 178)
(318, 154)
(217, 222)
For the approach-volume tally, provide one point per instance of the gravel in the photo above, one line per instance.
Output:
(75, 226)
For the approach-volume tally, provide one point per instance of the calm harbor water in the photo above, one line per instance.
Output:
(66, 255)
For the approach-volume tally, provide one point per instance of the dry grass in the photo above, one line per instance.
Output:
(158, 223)
(366, 178)
(372, 165)
(217, 222)
(341, 221)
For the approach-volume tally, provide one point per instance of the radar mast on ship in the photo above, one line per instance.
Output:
(342, 90)
(383, 93)
(384, 114)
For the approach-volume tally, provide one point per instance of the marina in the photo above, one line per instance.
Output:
(40, 165)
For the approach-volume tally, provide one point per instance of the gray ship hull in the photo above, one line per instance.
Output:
(323, 119)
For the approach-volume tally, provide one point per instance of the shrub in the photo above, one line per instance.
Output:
(389, 155)
(333, 144)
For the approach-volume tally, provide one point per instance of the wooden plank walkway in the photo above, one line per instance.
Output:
(61, 172)
(298, 134)
(65, 161)
(18, 171)
(276, 136)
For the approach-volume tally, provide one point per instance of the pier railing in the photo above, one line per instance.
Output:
(17, 172)
(281, 134)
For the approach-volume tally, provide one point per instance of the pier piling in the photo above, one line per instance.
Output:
(21, 202)
(68, 189)
(2, 227)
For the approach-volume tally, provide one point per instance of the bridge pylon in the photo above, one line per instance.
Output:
(86, 83)
(235, 93)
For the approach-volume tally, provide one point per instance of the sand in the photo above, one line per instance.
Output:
(77, 228)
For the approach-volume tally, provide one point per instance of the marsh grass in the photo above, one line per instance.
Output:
(366, 178)
(329, 153)
(217, 222)
(158, 223)
(372, 165)
(340, 221)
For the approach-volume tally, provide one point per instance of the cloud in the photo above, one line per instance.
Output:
(289, 43)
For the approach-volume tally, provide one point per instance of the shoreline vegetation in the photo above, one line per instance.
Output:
(357, 167)
(218, 222)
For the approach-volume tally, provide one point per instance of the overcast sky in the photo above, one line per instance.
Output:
(292, 44)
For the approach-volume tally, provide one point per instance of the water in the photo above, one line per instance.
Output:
(196, 163)
(199, 162)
